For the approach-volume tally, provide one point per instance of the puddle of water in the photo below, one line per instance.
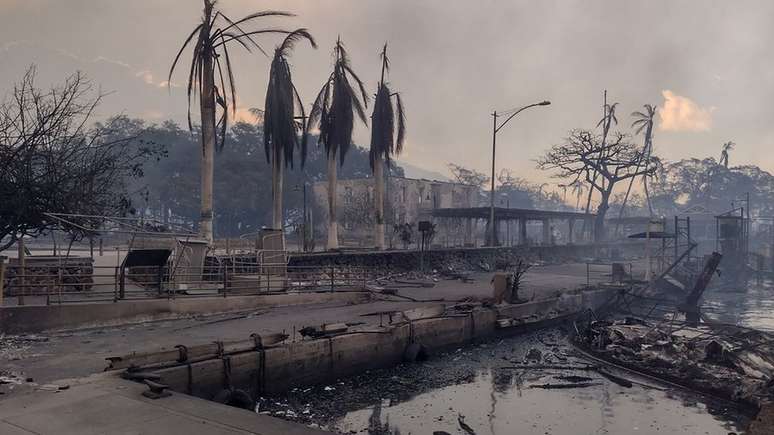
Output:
(474, 382)
(500, 403)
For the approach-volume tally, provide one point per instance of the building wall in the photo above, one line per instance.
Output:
(407, 200)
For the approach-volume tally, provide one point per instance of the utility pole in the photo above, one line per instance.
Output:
(492, 226)
(495, 129)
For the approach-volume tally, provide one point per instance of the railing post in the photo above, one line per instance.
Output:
(115, 285)
(225, 278)
(121, 283)
(2, 279)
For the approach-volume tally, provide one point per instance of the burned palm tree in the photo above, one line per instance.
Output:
(607, 121)
(334, 110)
(211, 77)
(728, 146)
(281, 125)
(643, 122)
(385, 141)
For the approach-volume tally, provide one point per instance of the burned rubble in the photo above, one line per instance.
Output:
(726, 361)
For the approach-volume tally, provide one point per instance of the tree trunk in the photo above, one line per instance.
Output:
(208, 146)
(277, 176)
(379, 202)
(599, 220)
(333, 225)
(277, 173)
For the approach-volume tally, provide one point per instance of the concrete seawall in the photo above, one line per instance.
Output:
(307, 362)
(37, 318)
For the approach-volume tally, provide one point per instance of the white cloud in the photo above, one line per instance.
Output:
(680, 113)
(112, 61)
(146, 76)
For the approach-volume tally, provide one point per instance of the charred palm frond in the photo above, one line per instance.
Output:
(383, 121)
(337, 103)
(643, 120)
(280, 125)
(210, 41)
(609, 119)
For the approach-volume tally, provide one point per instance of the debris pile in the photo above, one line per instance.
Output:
(726, 361)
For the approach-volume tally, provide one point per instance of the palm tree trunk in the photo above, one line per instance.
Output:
(379, 202)
(645, 179)
(277, 175)
(208, 147)
(333, 225)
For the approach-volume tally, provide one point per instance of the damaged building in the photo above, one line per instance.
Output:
(407, 201)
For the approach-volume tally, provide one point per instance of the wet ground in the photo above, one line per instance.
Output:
(531, 384)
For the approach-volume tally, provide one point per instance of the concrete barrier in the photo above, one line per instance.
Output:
(309, 362)
(37, 318)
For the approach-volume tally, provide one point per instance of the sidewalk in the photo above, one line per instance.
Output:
(107, 404)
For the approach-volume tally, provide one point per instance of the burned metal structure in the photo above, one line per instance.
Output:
(547, 218)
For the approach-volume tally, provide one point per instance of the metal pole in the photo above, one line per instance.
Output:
(493, 230)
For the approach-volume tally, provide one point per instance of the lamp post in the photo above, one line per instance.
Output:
(495, 129)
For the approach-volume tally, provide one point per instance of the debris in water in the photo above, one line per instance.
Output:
(567, 385)
(464, 426)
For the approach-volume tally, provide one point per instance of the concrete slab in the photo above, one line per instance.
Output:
(107, 404)
(9, 429)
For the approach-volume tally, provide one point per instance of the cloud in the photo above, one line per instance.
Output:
(680, 113)
(111, 61)
(146, 76)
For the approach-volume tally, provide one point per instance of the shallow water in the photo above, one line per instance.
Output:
(751, 306)
(490, 388)
(493, 405)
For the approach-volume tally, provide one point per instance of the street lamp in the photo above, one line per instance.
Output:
(495, 129)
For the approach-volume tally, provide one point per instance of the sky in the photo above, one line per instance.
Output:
(708, 66)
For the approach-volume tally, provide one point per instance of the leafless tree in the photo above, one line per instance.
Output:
(468, 176)
(53, 160)
(585, 154)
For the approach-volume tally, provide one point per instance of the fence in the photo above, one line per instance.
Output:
(55, 284)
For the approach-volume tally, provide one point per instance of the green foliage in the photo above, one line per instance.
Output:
(242, 191)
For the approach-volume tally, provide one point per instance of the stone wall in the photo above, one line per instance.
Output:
(42, 275)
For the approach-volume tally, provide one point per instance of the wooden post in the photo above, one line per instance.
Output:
(21, 271)
(2, 279)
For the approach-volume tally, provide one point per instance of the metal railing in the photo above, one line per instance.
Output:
(54, 284)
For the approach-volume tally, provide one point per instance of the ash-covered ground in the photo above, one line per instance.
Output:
(530, 384)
